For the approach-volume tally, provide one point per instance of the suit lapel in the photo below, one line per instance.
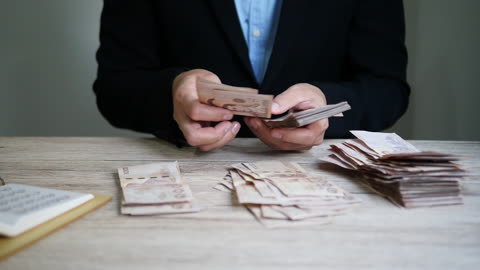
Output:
(226, 14)
(289, 25)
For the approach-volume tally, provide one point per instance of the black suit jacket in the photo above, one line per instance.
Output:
(352, 50)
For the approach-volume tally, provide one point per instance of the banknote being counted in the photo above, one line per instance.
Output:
(282, 193)
(156, 188)
(396, 169)
(239, 100)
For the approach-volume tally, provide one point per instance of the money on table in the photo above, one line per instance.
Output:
(399, 171)
(282, 193)
(156, 188)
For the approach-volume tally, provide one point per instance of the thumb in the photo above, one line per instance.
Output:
(204, 74)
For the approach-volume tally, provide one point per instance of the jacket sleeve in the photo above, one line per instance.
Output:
(375, 84)
(133, 87)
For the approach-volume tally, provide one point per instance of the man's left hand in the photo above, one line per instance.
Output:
(300, 96)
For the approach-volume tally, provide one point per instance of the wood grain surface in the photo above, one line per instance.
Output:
(375, 235)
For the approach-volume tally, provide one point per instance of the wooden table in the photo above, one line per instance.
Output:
(375, 235)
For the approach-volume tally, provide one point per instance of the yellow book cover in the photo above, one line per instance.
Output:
(9, 246)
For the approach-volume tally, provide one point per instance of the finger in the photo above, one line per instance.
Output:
(202, 112)
(300, 96)
(258, 128)
(183, 121)
(197, 135)
(288, 99)
(319, 127)
(301, 136)
(319, 139)
(228, 137)
(207, 75)
(264, 134)
(309, 135)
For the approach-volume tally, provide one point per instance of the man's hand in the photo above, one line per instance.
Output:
(194, 118)
(300, 96)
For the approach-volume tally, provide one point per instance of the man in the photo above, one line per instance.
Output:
(306, 52)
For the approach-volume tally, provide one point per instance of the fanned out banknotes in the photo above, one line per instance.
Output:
(396, 169)
(154, 189)
(247, 102)
(281, 193)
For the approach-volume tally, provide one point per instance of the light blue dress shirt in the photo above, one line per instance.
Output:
(259, 21)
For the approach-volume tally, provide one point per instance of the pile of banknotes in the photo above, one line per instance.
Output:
(154, 189)
(398, 170)
(247, 102)
(281, 193)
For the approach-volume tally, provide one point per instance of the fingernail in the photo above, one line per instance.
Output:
(275, 106)
(277, 135)
(227, 117)
(235, 128)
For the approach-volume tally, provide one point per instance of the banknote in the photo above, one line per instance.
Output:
(160, 172)
(274, 223)
(394, 168)
(385, 143)
(282, 193)
(298, 213)
(156, 188)
(239, 100)
(157, 193)
(161, 209)
(292, 180)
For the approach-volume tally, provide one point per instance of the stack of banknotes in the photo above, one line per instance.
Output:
(281, 193)
(303, 118)
(247, 102)
(398, 170)
(154, 189)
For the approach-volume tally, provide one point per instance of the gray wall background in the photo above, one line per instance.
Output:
(47, 67)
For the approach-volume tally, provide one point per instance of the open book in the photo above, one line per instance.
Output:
(23, 207)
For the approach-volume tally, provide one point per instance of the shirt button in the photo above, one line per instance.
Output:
(257, 33)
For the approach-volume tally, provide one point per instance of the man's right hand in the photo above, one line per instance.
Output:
(194, 118)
